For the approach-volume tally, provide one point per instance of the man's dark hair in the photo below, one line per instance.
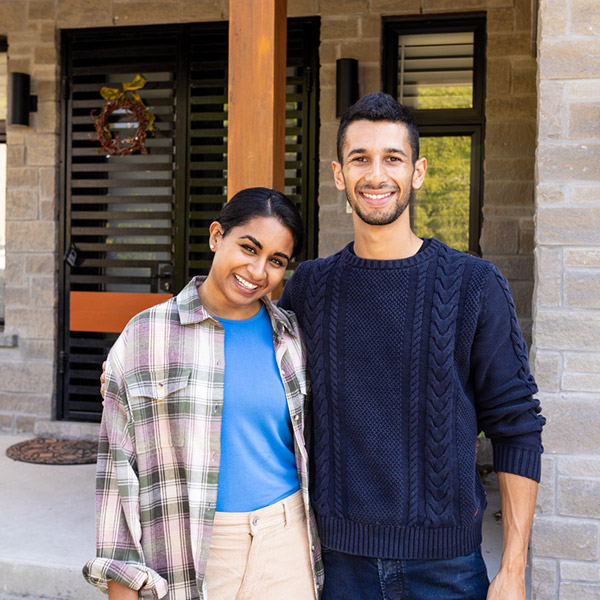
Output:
(379, 107)
(262, 202)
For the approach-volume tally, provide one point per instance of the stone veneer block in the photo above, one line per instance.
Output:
(585, 17)
(568, 331)
(76, 13)
(507, 139)
(31, 236)
(41, 150)
(580, 571)
(552, 112)
(207, 10)
(37, 323)
(29, 377)
(579, 591)
(572, 226)
(569, 58)
(500, 236)
(584, 120)
(580, 382)
(564, 538)
(545, 503)
(579, 497)
(572, 424)
(582, 288)
(582, 362)
(347, 7)
(21, 204)
(498, 77)
(135, 12)
(295, 8)
(543, 578)
(546, 370)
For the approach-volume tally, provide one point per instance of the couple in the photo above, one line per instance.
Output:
(412, 349)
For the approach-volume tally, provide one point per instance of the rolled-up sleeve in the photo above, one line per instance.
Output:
(119, 556)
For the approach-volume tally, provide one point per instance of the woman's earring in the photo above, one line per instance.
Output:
(212, 246)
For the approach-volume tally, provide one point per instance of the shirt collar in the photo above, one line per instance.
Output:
(191, 309)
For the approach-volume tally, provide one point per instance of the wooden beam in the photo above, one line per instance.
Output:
(256, 111)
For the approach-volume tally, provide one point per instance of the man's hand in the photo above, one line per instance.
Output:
(103, 381)
(517, 498)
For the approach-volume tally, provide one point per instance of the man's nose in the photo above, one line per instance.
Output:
(376, 174)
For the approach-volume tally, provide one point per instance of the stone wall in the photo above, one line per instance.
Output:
(349, 28)
(566, 336)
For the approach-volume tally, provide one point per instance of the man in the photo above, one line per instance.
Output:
(413, 348)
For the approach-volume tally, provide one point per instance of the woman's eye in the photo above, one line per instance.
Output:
(249, 248)
(277, 262)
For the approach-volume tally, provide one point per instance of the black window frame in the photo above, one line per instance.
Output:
(453, 121)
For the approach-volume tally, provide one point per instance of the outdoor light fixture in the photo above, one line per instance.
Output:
(346, 84)
(20, 100)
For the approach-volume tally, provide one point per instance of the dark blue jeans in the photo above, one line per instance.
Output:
(349, 577)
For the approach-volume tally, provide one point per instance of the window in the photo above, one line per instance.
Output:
(3, 80)
(436, 68)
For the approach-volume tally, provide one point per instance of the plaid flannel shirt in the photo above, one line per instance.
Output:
(159, 451)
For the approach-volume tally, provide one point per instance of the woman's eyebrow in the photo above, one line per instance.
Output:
(252, 239)
(260, 246)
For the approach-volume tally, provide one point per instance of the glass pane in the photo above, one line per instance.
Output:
(441, 207)
(436, 70)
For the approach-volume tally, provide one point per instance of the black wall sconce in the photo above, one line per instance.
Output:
(20, 100)
(346, 84)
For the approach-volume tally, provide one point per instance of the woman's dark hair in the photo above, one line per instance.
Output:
(263, 202)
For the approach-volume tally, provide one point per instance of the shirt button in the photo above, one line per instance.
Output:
(215, 409)
(255, 521)
(312, 547)
(296, 417)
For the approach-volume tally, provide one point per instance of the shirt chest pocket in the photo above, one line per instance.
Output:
(160, 409)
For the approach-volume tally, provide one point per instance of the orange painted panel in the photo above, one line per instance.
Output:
(108, 312)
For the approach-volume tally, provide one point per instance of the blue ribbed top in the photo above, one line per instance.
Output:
(409, 359)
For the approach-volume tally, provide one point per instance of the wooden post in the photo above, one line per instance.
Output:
(256, 111)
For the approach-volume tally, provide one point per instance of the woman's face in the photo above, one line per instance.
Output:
(250, 260)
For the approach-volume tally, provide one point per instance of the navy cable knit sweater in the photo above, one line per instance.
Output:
(409, 359)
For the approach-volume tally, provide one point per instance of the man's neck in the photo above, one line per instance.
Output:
(385, 242)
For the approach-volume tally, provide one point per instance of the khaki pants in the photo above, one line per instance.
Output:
(261, 555)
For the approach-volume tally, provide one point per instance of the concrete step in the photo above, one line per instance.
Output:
(25, 580)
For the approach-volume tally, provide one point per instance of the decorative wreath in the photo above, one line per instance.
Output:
(137, 112)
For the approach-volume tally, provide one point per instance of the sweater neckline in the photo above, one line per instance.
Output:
(370, 263)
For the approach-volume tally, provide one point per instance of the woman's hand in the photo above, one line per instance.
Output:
(117, 591)
(103, 381)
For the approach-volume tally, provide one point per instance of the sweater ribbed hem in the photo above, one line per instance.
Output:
(520, 461)
(399, 542)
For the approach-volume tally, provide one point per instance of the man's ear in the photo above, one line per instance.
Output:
(215, 234)
(338, 177)
(419, 173)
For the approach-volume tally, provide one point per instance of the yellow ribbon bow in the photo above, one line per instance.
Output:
(129, 87)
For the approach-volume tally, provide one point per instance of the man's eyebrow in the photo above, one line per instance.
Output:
(387, 151)
(257, 243)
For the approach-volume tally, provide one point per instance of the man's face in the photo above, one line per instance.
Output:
(377, 173)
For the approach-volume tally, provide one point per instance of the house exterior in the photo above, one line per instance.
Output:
(529, 137)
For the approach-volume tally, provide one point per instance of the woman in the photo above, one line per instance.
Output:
(202, 489)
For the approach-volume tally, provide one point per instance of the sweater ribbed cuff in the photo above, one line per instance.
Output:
(520, 461)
